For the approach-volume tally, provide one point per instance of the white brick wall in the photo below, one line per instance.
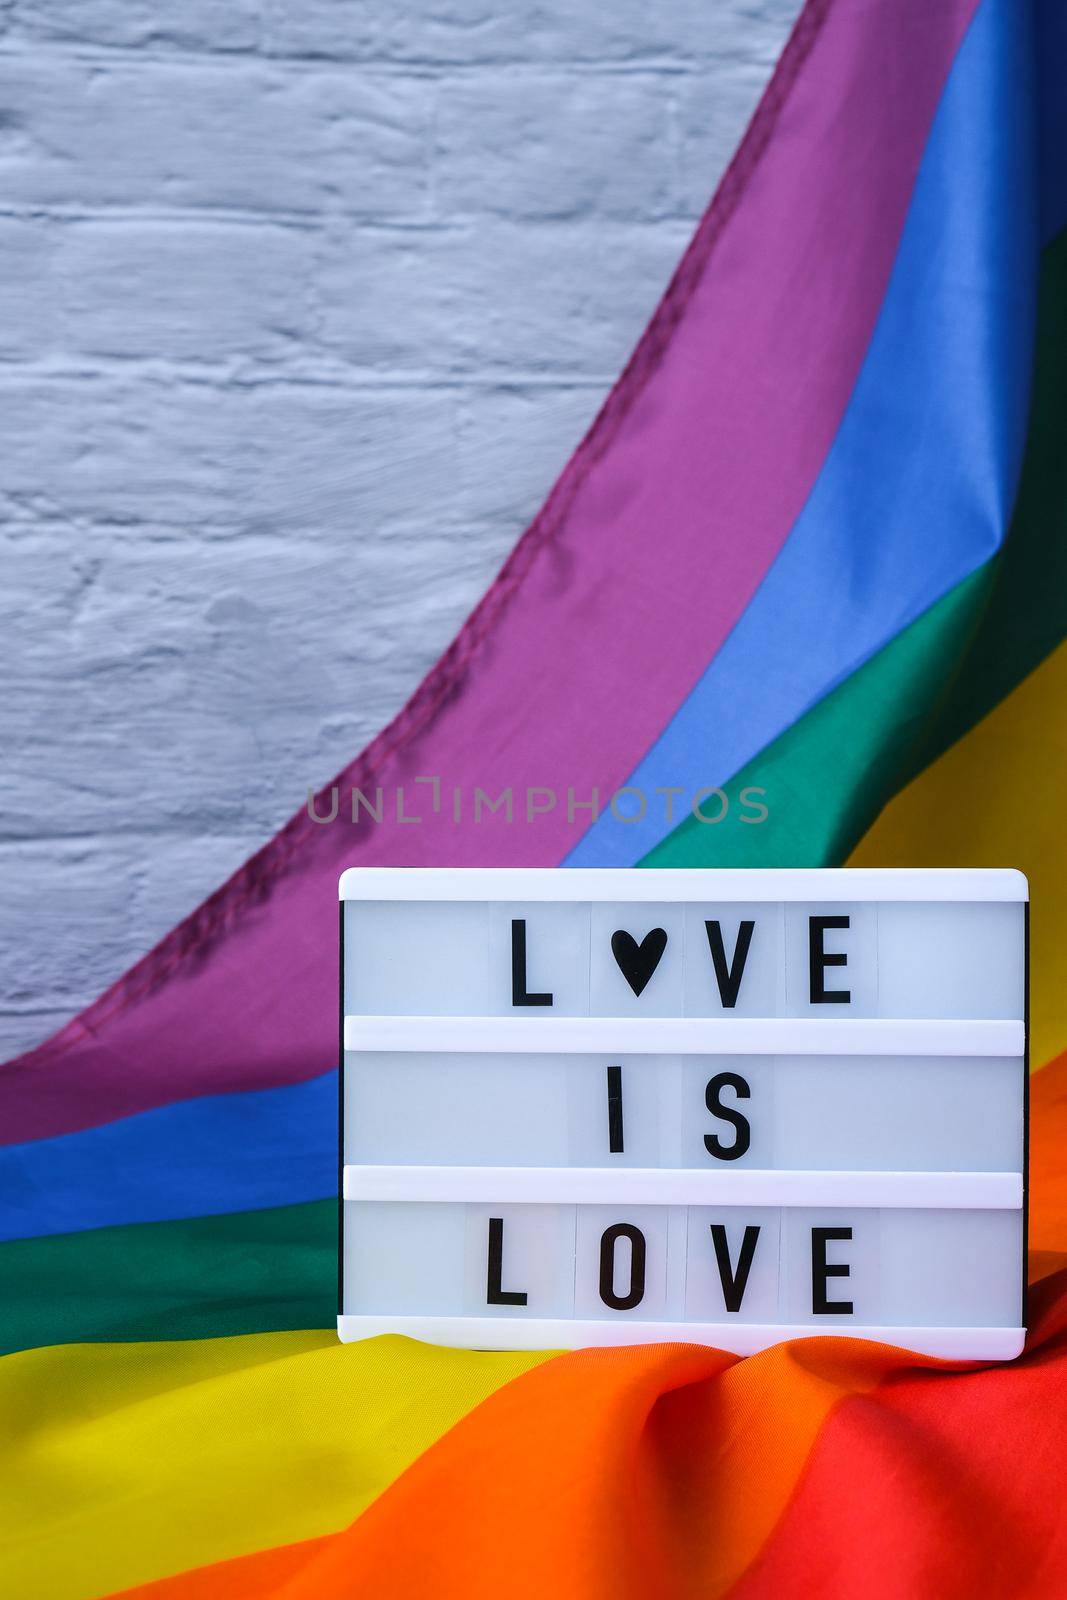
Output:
(306, 303)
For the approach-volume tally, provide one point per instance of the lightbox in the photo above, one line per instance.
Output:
(731, 1107)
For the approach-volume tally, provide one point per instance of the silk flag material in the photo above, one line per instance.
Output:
(813, 546)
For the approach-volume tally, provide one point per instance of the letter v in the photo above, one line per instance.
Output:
(734, 1282)
(729, 977)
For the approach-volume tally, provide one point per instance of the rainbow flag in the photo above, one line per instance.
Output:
(811, 561)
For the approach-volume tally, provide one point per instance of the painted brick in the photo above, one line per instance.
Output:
(196, 688)
(547, 144)
(291, 457)
(495, 297)
(223, 134)
(496, 477)
(430, 33)
(29, 313)
(195, 24)
(190, 291)
(492, 32)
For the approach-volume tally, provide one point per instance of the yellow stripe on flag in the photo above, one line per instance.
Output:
(997, 799)
(120, 1463)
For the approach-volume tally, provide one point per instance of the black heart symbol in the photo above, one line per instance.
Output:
(637, 962)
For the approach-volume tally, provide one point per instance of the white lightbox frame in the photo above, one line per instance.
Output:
(684, 1035)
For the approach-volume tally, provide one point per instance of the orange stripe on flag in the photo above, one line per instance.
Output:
(243, 1578)
(607, 1473)
(1048, 1168)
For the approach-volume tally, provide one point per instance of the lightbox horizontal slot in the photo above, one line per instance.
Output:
(772, 1036)
(632, 1186)
(741, 1338)
(700, 885)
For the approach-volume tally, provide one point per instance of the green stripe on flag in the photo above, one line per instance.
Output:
(249, 1272)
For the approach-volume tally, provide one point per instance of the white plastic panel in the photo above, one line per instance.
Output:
(730, 1106)
(623, 1111)
(697, 884)
(951, 1266)
(908, 1114)
(993, 1191)
(735, 968)
(944, 961)
(535, 1264)
(694, 1036)
(553, 940)
(822, 1268)
(832, 961)
(830, 1269)
(648, 959)
(743, 1338)
(472, 1110)
(424, 960)
(637, 960)
(621, 1257)
(403, 1259)
(732, 1264)
(728, 1112)
(904, 1114)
